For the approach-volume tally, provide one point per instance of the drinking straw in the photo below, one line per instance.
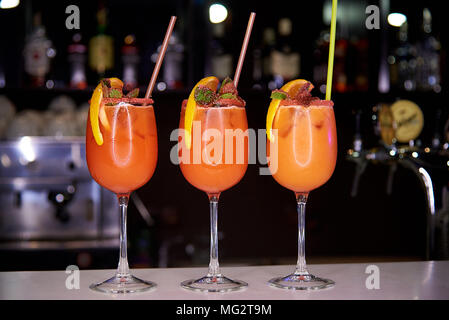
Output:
(160, 57)
(330, 64)
(238, 70)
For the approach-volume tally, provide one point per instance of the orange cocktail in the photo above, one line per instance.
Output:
(306, 146)
(213, 156)
(302, 152)
(127, 158)
(207, 171)
(121, 152)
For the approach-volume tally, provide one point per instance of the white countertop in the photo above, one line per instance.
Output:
(398, 280)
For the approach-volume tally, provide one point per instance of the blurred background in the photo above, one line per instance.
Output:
(386, 201)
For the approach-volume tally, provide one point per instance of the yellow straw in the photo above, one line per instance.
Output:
(330, 64)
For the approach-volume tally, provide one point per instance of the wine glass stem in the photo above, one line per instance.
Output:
(123, 267)
(214, 267)
(301, 267)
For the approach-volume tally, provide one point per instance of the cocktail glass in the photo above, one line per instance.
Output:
(306, 147)
(216, 161)
(124, 162)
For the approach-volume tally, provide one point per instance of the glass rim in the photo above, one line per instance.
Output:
(198, 106)
(306, 107)
(123, 104)
(137, 102)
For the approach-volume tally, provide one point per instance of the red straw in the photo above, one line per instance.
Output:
(244, 47)
(160, 58)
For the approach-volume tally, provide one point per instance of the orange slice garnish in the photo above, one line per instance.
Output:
(211, 83)
(292, 89)
(97, 110)
(116, 83)
(293, 86)
(94, 111)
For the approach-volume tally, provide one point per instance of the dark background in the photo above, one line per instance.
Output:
(257, 217)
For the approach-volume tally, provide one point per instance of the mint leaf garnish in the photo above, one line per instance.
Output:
(204, 95)
(224, 83)
(114, 93)
(228, 96)
(106, 82)
(278, 95)
(133, 93)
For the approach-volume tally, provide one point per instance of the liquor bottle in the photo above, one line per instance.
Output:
(38, 53)
(77, 60)
(393, 69)
(428, 57)
(285, 58)
(221, 59)
(262, 61)
(101, 46)
(269, 41)
(257, 72)
(173, 63)
(361, 48)
(130, 59)
(403, 62)
(340, 81)
(320, 57)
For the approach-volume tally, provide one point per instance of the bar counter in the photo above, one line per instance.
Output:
(398, 280)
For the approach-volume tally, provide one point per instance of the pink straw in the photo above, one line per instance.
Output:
(160, 58)
(244, 47)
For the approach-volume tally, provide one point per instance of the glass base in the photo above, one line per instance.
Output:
(123, 284)
(214, 284)
(301, 282)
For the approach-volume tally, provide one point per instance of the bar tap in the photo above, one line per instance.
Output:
(429, 164)
(355, 154)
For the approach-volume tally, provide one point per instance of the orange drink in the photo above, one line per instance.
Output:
(213, 156)
(306, 146)
(127, 158)
(302, 153)
(121, 152)
(215, 173)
